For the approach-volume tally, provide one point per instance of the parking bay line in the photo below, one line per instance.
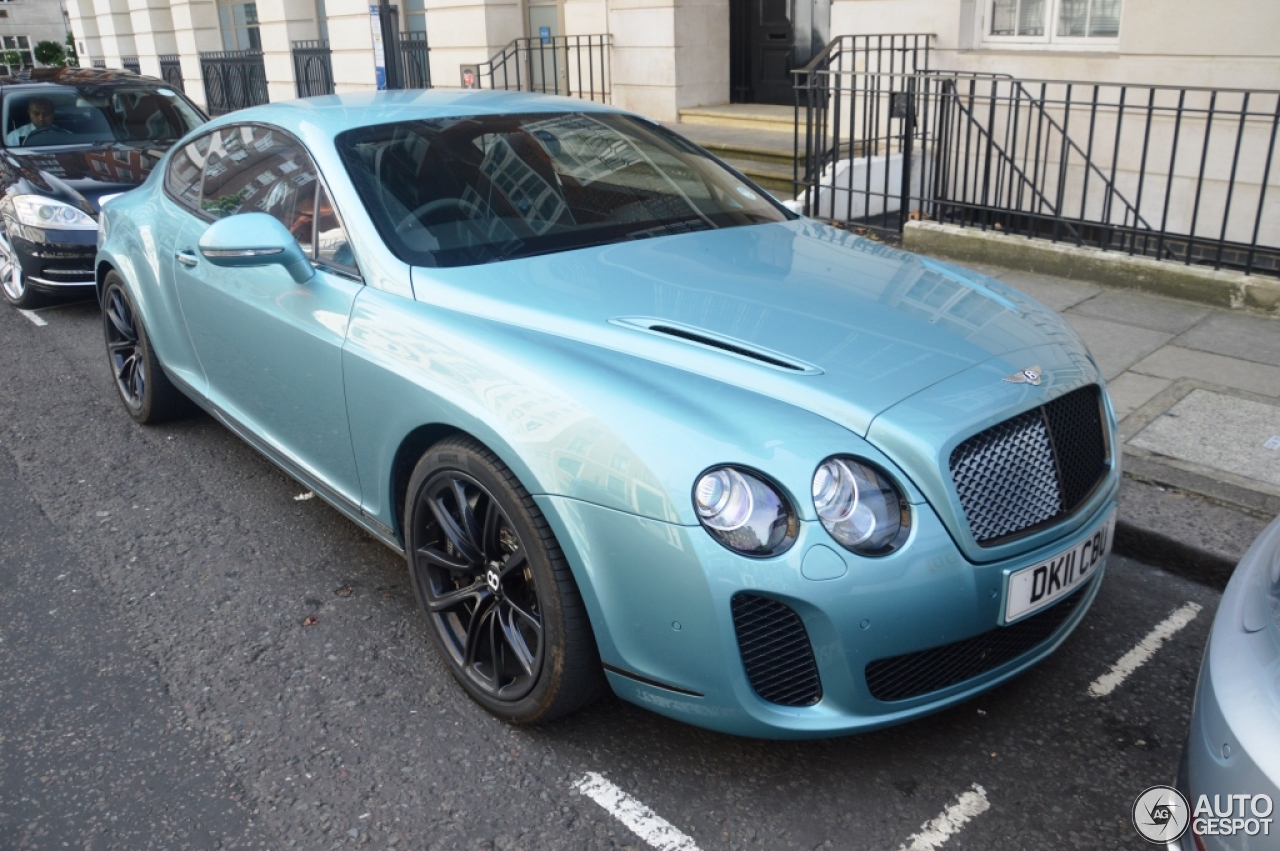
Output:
(35, 319)
(639, 819)
(934, 833)
(1146, 648)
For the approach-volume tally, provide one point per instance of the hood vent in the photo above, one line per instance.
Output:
(719, 342)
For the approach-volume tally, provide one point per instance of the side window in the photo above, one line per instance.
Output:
(185, 168)
(255, 169)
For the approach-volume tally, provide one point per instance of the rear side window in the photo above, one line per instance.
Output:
(186, 167)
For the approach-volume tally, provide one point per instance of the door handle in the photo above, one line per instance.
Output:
(186, 257)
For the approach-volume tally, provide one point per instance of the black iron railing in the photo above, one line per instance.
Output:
(171, 71)
(414, 59)
(131, 63)
(1174, 173)
(313, 68)
(570, 65)
(99, 63)
(233, 79)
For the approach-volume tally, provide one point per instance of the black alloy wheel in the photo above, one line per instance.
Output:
(504, 610)
(146, 391)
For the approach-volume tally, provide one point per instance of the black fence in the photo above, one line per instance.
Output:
(131, 63)
(1174, 173)
(571, 65)
(312, 68)
(171, 71)
(233, 79)
(413, 60)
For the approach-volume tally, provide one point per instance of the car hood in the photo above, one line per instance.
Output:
(81, 175)
(806, 313)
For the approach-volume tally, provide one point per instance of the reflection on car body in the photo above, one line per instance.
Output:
(633, 423)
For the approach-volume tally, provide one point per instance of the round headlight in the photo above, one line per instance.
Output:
(860, 506)
(744, 512)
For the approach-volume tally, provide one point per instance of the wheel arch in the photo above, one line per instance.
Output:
(412, 447)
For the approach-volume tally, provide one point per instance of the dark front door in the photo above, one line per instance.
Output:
(768, 40)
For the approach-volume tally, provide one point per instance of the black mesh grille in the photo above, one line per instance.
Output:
(914, 674)
(1033, 468)
(775, 651)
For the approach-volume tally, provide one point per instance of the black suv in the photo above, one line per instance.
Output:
(70, 139)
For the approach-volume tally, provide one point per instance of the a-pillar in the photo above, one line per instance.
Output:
(115, 26)
(195, 26)
(153, 33)
(669, 54)
(281, 23)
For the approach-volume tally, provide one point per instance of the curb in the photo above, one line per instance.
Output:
(1191, 283)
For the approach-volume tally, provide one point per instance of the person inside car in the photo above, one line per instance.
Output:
(40, 113)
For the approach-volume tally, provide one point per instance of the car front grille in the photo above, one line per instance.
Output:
(1033, 469)
(776, 651)
(914, 674)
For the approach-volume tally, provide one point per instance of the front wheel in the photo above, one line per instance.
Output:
(13, 281)
(147, 393)
(504, 610)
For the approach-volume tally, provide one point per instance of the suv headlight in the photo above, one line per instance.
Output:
(744, 512)
(47, 213)
(860, 506)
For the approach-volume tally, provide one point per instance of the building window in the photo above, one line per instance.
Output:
(415, 12)
(239, 23)
(1055, 21)
(22, 45)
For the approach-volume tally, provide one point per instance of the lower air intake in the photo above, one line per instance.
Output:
(775, 651)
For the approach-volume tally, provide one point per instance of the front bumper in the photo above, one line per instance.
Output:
(55, 261)
(1233, 745)
(661, 598)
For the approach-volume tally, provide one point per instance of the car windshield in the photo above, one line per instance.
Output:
(75, 115)
(478, 189)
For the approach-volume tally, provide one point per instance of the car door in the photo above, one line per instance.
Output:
(271, 348)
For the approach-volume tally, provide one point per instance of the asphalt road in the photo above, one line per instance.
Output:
(159, 689)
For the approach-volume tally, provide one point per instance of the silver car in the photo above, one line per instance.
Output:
(1230, 772)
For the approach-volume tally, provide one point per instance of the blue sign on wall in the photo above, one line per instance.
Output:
(544, 33)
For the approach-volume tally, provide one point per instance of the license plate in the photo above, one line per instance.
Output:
(1032, 588)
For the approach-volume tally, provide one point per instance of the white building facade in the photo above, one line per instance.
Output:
(667, 55)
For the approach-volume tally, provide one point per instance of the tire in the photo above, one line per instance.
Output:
(13, 281)
(147, 393)
(504, 610)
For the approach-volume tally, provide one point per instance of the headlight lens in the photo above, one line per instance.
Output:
(41, 212)
(860, 506)
(744, 512)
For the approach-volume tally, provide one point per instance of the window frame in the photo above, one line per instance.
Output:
(350, 272)
(1050, 40)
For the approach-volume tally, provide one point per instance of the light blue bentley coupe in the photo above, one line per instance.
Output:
(633, 423)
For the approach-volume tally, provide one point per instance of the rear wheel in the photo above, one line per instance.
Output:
(504, 610)
(147, 393)
(13, 282)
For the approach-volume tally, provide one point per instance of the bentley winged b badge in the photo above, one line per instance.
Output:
(1030, 375)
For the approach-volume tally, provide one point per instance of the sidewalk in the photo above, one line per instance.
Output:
(1197, 394)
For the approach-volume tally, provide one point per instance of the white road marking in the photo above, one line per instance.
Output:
(1146, 648)
(300, 497)
(934, 833)
(35, 319)
(642, 821)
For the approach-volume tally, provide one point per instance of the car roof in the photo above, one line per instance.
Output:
(332, 114)
(37, 78)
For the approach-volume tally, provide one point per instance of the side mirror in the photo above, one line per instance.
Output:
(255, 239)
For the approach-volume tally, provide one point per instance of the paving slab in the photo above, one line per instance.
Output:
(1114, 346)
(1057, 293)
(1131, 391)
(1176, 362)
(1155, 313)
(1236, 335)
(1221, 431)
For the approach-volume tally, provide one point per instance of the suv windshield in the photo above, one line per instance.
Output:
(75, 115)
(462, 191)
